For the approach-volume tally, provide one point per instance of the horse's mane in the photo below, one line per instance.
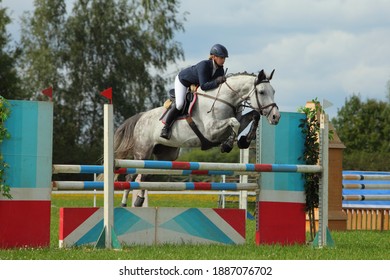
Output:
(240, 74)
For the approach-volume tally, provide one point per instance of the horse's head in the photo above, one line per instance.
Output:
(263, 98)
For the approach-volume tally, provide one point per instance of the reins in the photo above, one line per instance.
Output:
(261, 108)
(215, 99)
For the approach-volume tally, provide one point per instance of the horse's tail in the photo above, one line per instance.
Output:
(123, 141)
(124, 138)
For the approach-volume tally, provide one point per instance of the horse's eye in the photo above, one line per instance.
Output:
(261, 92)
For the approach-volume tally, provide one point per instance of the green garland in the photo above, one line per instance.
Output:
(4, 114)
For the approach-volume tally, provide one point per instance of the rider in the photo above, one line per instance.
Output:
(208, 74)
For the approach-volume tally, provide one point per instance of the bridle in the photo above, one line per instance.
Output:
(262, 108)
(245, 99)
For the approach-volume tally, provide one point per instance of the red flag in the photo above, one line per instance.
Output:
(48, 92)
(107, 93)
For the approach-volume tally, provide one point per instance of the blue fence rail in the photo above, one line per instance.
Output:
(366, 200)
(366, 189)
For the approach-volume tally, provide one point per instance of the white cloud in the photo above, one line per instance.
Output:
(319, 48)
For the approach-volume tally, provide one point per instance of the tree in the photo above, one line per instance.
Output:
(104, 43)
(42, 43)
(42, 38)
(9, 80)
(42, 65)
(364, 127)
(388, 91)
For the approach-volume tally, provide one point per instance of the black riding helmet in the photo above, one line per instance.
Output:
(219, 50)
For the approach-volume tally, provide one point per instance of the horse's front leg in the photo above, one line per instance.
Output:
(218, 129)
(245, 141)
(252, 132)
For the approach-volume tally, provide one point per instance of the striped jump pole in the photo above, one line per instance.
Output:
(152, 164)
(155, 186)
(98, 169)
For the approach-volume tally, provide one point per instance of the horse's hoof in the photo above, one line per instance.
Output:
(123, 204)
(139, 201)
(225, 148)
(243, 143)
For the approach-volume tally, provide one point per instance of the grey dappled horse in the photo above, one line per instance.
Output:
(216, 119)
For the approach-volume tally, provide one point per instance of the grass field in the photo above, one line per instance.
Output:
(350, 245)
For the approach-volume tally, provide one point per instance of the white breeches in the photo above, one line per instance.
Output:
(180, 93)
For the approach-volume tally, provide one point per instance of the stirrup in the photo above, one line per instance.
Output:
(165, 133)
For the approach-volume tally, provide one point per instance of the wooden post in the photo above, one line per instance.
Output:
(337, 218)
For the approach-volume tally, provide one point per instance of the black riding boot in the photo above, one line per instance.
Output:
(171, 116)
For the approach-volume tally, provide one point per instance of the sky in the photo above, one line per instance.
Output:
(324, 49)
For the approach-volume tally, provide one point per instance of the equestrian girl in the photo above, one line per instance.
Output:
(208, 74)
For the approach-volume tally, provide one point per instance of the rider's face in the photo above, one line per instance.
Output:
(219, 60)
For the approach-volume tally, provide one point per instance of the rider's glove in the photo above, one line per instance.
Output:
(220, 79)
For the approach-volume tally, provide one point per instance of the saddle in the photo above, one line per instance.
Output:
(189, 102)
(185, 113)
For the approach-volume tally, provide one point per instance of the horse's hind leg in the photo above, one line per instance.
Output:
(125, 196)
(160, 152)
(140, 197)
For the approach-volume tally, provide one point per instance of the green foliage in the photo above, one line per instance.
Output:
(103, 43)
(4, 114)
(42, 40)
(212, 155)
(388, 91)
(9, 81)
(364, 128)
(310, 128)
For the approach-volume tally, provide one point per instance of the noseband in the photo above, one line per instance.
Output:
(262, 108)
(254, 91)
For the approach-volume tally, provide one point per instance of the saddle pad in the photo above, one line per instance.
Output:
(187, 111)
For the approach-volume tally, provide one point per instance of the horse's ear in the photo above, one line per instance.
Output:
(272, 73)
(261, 76)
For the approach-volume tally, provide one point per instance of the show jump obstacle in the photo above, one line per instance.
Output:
(281, 202)
(110, 227)
(25, 219)
(280, 216)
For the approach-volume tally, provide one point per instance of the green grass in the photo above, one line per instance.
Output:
(350, 245)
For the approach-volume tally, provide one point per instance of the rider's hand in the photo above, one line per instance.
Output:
(220, 79)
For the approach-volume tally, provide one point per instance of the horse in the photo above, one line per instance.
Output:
(216, 119)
